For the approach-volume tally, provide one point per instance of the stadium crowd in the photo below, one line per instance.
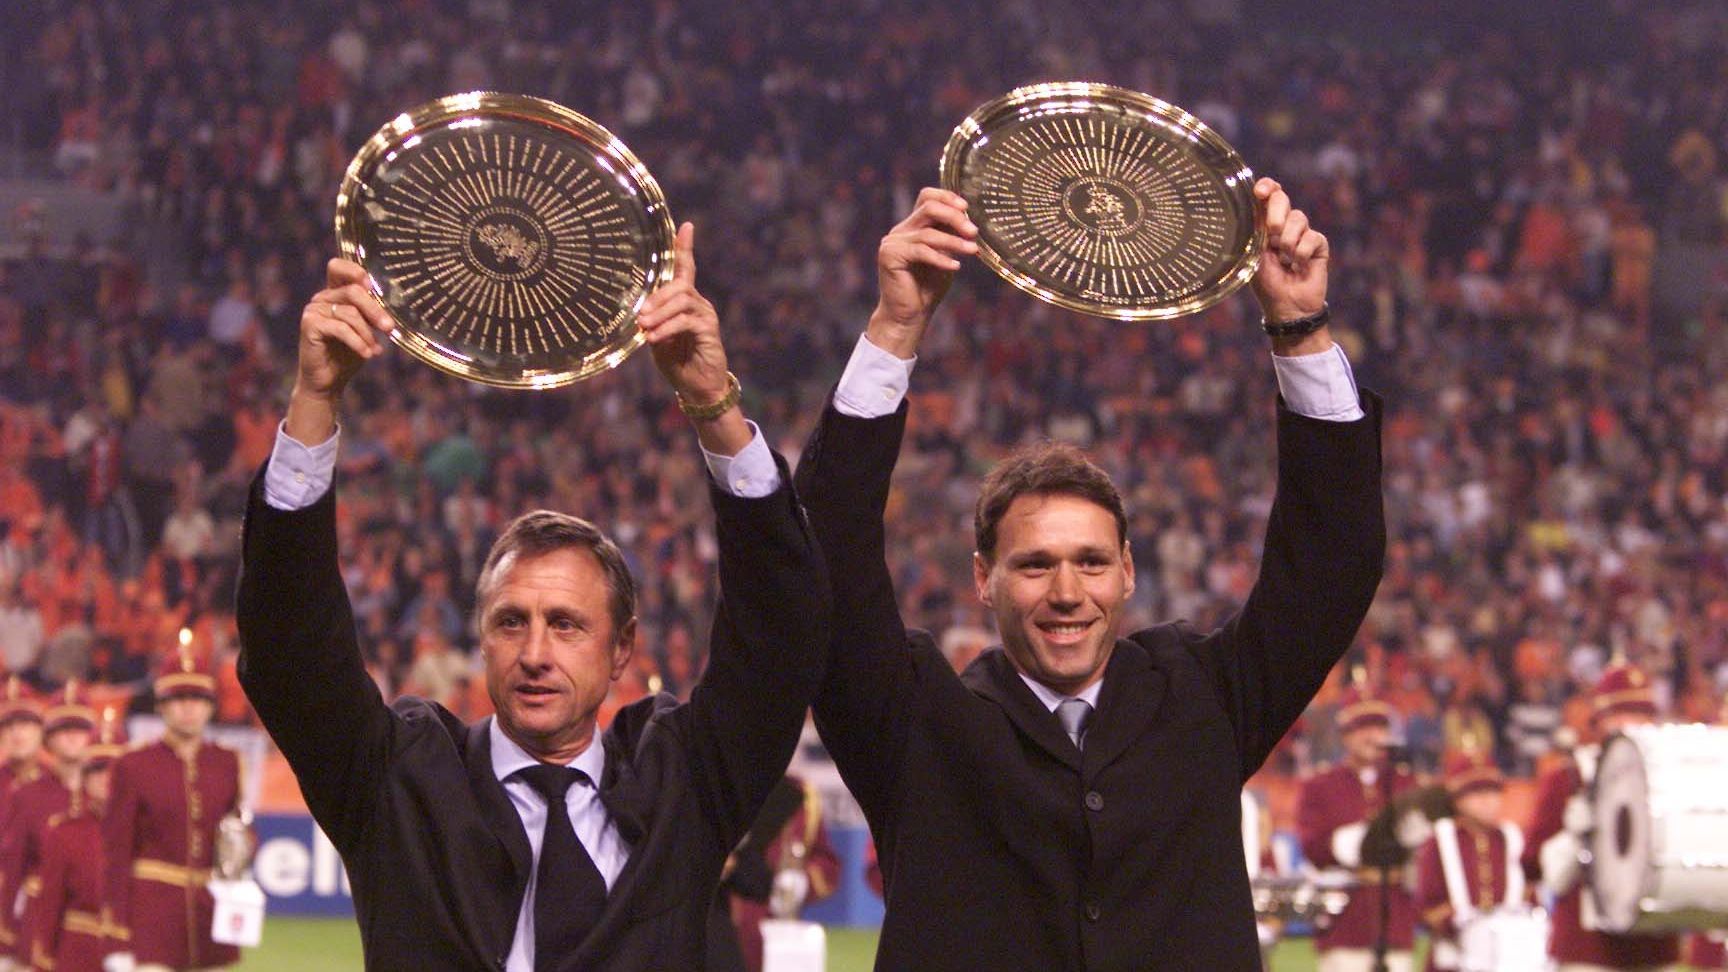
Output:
(1556, 451)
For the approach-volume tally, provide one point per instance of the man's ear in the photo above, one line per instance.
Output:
(1128, 564)
(623, 649)
(981, 577)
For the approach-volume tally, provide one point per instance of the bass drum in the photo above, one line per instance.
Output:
(1659, 848)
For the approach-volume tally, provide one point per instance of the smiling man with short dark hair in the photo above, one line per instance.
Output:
(1072, 799)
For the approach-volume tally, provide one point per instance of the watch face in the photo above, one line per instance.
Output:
(511, 239)
(1105, 201)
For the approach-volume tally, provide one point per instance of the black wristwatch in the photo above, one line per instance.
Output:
(1299, 326)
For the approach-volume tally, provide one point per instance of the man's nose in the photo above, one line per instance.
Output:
(1065, 590)
(536, 647)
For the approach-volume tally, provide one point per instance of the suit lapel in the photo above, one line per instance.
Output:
(1133, 690)
(623, 793)
(994, 677)
(631, 806)
(495, 807)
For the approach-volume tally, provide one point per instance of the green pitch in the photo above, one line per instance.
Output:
(333, 945)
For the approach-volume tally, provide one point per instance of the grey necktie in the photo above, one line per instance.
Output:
(1075, 714)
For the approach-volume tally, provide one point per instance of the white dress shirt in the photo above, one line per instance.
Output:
(1052, 698)
(593, 825)
(299, 475)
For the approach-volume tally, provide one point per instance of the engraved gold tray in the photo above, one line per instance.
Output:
(512, 239)
(1105, 201)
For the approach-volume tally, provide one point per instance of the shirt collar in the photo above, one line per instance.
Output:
(508, 758)
(1052, 698)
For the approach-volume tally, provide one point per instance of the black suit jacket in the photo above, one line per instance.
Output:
(436, 854)
(1002, 845)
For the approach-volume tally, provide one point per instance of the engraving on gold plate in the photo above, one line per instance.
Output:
(512, 239)
(1105, 201)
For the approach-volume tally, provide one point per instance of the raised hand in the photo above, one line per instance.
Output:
(915, 266)
(341, 328)
(683, 334)
(1291, 282)
(683, 329)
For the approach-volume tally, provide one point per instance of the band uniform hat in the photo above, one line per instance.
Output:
(17, 704)
(110, 740)
(1623, 688)
(1468, 770)
(183, 676)
(69, 711)
(1361, 709)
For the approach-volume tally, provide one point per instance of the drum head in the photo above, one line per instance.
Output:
(1620, 846)
(512, 239)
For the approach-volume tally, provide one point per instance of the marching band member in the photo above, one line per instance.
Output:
(1621, 699)
(789, 834)
(20, 738)
(21, 742)
(1335, 809)
(160, 831)
(1470, 867)
(64, 924)
(66, 731)
(1708, 951)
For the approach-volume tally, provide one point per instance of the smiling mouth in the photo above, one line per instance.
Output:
(1064, 631)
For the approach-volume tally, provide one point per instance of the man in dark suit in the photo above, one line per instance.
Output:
(1071, 800)
(531, 841)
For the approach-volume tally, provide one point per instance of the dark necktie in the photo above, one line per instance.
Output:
(1074, 713)
(569, 892)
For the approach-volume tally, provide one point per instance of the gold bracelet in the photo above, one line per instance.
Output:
(713, 410)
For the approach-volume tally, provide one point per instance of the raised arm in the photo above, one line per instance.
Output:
(1326, 536)
(844, 479)
(299, 657)
(770, 630)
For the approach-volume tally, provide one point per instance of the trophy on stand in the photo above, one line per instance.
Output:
(788, 943)
(511, 239)
(239, 912)
(1105, 201)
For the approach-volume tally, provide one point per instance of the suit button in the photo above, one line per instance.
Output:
(1094, 800)
(1093, 911)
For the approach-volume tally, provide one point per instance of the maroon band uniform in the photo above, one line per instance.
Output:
(160, 832)
(821, 866)
(1621, 688)
(161, 836)
(32, 808)
(1706, 950)
(1337, 798)
(16, 705)
(64, 923)
(1484, 852)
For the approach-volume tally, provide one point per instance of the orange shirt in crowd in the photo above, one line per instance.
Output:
(254, 437)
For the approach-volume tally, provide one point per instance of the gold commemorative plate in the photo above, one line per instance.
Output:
(512, 239)
(1105, 201)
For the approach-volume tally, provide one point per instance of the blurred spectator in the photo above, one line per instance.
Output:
(1500, 202)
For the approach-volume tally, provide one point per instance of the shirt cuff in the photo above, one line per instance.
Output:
(751, 474)
(1320, 386)
(874, 382)
(299, 475)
